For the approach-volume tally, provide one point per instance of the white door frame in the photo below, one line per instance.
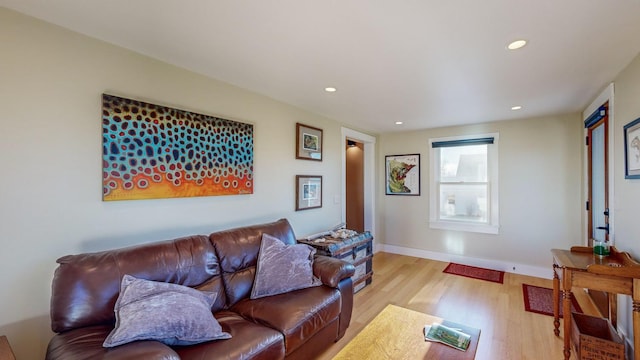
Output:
(369, 177)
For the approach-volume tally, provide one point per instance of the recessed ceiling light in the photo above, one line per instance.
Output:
(398, 122)
(517, 107)
(516, 44)
(330, 89)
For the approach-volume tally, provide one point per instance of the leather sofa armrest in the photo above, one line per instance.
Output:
(331, 270)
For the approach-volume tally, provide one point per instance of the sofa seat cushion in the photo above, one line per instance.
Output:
(248, 341)
(298, 315)
(86, 344)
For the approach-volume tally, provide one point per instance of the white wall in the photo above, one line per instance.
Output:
(51, 81)
(540, 169)
(626, 207)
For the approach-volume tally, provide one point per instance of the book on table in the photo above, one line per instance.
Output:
(447, 335)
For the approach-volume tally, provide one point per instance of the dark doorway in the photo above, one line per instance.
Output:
(354, 185)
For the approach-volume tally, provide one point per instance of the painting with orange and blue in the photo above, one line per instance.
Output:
(151, 151)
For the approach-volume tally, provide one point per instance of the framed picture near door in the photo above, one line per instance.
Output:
(308, 142)
(632, 150)
(308, 192)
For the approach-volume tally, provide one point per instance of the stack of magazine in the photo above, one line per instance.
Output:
(447, 335)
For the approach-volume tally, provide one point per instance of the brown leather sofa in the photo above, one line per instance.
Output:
(295, 325)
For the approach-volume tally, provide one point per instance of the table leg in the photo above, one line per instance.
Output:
(636, 318)
(556, 301)
(566, 320)
(613, 309)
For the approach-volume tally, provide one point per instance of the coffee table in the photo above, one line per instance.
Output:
(398, 333)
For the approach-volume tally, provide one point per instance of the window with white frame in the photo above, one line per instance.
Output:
(464, 183)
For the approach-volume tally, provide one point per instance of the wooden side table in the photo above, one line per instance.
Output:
(5, 349)
(617, 273)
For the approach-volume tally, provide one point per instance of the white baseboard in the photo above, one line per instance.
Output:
(522, 269)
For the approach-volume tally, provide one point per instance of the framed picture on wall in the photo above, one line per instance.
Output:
(402, 174)
(308, 192)
(632, 150)
(308, 142)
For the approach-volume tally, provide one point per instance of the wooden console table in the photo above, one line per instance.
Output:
(615, 274)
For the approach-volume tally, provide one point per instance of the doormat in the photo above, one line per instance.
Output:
(475, 272)
(540, 300)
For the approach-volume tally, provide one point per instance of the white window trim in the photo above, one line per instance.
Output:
(493, 225)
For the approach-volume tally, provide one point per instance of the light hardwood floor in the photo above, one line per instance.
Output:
(508, 332)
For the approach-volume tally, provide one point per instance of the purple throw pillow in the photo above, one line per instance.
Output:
(282, 268)
(170, 313)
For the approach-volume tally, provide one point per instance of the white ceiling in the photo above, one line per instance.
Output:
(427, 63)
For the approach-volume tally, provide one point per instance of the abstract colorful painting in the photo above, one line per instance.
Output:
(402, 174)
(152, 151)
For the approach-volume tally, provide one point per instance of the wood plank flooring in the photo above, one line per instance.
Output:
(508, 332)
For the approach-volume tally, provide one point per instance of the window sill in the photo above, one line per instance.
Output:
(459, 226)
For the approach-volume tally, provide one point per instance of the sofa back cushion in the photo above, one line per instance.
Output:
(237, 250)
(85, 286)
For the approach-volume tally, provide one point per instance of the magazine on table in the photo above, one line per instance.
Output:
(447, 335)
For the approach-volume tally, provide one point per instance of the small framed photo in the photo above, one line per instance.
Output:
(308, 142)
(632, 150)
(308, 192)
(402, 174)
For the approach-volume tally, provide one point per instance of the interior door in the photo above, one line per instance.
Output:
(598, 194)
(598, 179)
(354, 174)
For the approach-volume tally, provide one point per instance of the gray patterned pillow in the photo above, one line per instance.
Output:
(282, 268)
(170, 313)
